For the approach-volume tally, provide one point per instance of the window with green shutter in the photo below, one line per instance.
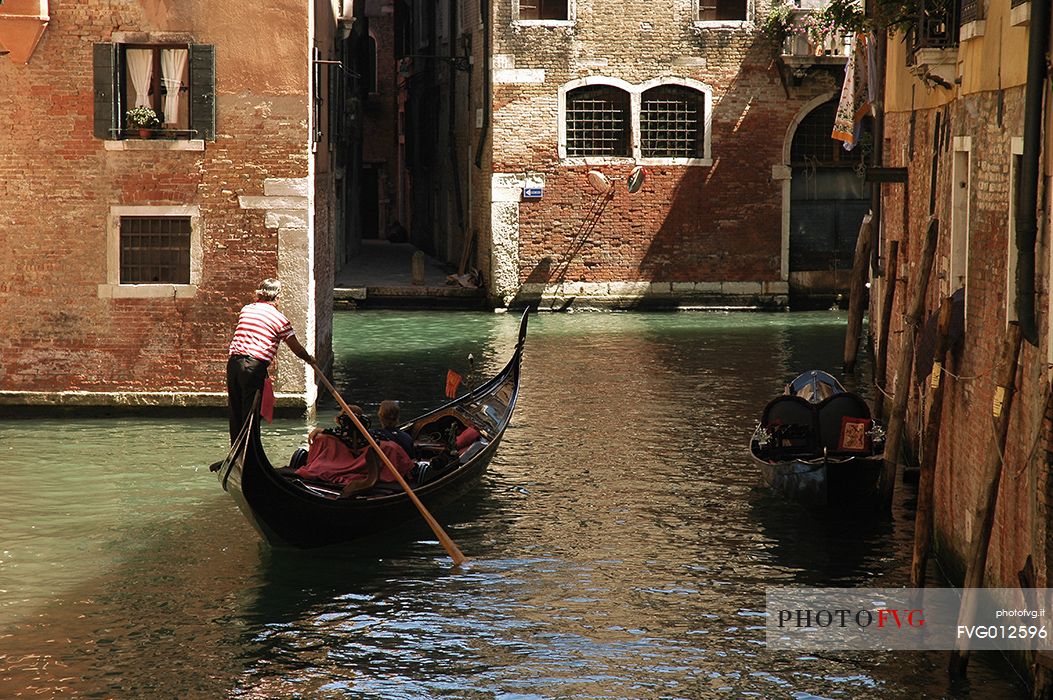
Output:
(175, 81)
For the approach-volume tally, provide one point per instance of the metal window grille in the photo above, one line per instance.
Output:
(544, 9)
(813, 145)
(672, 123)
(937, 26)
(972, 10)
(718, 10)
(155, 250)
(597, 121)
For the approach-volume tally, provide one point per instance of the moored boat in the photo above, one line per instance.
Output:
(454, 444)
(818, 445)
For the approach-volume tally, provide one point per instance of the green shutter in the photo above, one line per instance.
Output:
(203, 90)
(104, 82)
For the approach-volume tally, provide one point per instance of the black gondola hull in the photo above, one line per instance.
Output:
(853, 483)
(288, 514)
(817, 445)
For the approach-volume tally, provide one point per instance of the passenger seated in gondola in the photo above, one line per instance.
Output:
(339, 456)
(388, 413)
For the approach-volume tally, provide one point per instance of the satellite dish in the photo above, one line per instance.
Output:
(636, 179)
(599, 181)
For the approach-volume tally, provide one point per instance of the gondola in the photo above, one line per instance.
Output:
(818, 445)
(291, 512)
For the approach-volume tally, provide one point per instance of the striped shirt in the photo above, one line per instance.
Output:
(261, 327)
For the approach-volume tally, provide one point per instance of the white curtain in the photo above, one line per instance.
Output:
(173, 63)
(140, 70)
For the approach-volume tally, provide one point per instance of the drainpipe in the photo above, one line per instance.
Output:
(451, 120)
(1027, 200)
(484, 11)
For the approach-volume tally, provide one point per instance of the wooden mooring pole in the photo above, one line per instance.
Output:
(857, 292)
(929, 451)
(983, 523)
(881, 354)
(919, 287)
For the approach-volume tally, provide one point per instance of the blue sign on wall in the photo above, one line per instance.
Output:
(533, 192)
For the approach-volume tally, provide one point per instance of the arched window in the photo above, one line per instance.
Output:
(813, 145)
(672, 122)
(597, 119)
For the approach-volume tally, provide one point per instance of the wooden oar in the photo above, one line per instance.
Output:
(447, 543)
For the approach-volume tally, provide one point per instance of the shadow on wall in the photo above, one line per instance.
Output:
(723, 222)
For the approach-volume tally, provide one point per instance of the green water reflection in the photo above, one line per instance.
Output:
(619, 545)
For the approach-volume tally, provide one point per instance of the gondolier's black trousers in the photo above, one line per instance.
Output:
(245, 376)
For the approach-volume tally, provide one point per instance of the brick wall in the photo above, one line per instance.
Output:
(713, 223)
(1023, 515)
(58, 182)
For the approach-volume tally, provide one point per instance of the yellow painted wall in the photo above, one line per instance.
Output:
(998, 59)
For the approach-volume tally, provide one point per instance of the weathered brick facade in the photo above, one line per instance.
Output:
(980, 125)
(710, 233)
(69, 331)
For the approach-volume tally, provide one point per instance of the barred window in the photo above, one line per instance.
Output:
(544, 9)
(717, 10)
(597, 121)
(155, 250)
(813, 145)
(672, 122)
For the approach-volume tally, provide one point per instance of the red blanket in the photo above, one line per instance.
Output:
(330, 459)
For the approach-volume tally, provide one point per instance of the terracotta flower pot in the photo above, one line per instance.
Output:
(145, 133)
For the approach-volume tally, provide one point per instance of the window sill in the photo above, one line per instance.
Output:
(155, 145)
(687, 162)
(591, 161)
(972, 30)
(730, 24)
(623, 160)
(543, 23)
(147, 291)
(1020, 16)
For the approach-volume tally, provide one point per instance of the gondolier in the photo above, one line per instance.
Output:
(453, 444)
(261, 328)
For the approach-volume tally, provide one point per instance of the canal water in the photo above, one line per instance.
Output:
(619, 546)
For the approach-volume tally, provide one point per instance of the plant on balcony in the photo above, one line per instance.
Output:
(142, 118)
(778, 24)
(838, 17)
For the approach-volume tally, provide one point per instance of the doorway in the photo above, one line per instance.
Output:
(828, 200)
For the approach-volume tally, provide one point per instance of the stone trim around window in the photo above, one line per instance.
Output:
(972, 30)
(113, 289)
(1020, 15)
(572, 13)
(635, 101)
(155, 145)
(724, 24)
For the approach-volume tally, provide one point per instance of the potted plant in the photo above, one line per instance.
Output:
(144, 119)
(778, 24)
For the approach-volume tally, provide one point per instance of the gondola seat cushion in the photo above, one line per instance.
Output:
(792, 424)
(465, 438)
(844, 424)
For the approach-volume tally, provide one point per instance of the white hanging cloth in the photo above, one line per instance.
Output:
(173, 63)
(141, 70)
